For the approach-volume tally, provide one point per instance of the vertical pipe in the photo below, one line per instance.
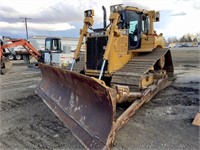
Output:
(26, 28)
(25, 22)
(104, 16)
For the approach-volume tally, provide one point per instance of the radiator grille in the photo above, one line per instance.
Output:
(95, 52)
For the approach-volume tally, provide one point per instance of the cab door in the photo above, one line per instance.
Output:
(134, 27)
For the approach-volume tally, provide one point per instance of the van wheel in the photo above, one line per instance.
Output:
(18, 57)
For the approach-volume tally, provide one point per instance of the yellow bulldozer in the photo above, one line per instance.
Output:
(124, 62)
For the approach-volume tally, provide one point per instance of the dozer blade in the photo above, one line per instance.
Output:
(84, 105)
(6, 66)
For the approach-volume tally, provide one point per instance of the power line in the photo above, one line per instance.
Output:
(25, 21)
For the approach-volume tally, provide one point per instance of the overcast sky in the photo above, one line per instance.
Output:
(65, 17)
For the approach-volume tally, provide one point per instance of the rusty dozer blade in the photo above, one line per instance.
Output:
(84, 105)
(6, 66)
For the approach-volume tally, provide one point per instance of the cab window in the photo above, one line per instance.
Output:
(133, 25)
(133, 19)
(48, 44)
(55, 44)
(145, 24)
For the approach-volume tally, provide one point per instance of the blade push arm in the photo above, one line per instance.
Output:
(88, 22)
(1, 52)
(114, 20)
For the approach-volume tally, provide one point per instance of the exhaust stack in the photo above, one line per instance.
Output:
(104, 17)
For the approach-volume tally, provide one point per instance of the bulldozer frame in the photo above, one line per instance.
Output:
(113, 71)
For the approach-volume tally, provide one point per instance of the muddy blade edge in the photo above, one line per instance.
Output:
(80, 102)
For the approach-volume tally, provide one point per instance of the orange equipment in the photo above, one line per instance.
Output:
(6, 65)
(21, 42)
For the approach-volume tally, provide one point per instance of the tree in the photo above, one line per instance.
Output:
(198, 36)
(172, 39)
(183, 39)
(165, 40)
(187, 38)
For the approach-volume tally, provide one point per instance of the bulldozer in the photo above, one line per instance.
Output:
(125, 62)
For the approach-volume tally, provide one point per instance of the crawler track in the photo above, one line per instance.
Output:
(140, 65)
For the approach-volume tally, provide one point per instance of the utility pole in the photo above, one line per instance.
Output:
(25, 21)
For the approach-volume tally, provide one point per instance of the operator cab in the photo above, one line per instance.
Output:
(137, 23)
(52, 49)
(53, 45)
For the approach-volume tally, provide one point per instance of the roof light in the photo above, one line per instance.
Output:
(116, 8)
(89, 13)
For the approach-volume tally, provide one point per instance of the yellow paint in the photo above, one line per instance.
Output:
(146, 81)
(119, 54)
(116, 51)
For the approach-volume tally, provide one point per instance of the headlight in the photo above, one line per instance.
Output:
(120, 8)
(85, 14)
(89, 13)
(116, 8)
(112, 8)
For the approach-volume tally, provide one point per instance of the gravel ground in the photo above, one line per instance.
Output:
(163, 123)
